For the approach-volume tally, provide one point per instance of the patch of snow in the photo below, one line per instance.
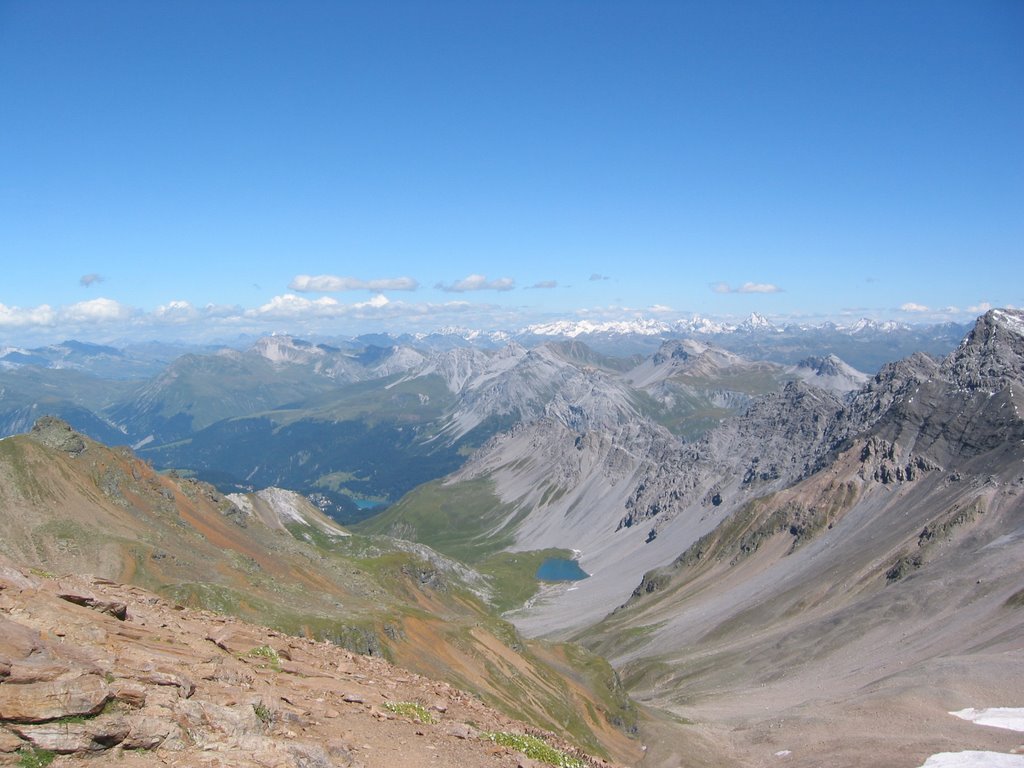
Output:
(865, 324)
(573, 329)
(1010, 718)
(974, 759)
(783, 753)
(698, 324)
(1013, 322)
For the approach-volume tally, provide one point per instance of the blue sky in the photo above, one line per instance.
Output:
(211, 168)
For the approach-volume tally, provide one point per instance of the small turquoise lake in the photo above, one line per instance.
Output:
(560, 569)
(366, 503)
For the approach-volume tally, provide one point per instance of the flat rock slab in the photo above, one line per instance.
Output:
(93, 735)
(17, 641)
(52, 700)
(115, 608)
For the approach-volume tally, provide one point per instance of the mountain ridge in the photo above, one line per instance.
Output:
(892, 567)
(70, 504)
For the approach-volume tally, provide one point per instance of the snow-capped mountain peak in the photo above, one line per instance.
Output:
(757, 322)
(573, 328)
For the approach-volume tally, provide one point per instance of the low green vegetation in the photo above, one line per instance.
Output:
(604, 681)
(30, 757)
(263, 712)
(410, 709)
(513, 575)
(465, 520)
(266, 652)
(535, 749)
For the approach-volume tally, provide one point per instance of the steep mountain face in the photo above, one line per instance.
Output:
(28, 392)
(884, 587)
(362, 422)
(577, 437)
(591, 467)
(992, 355)
(198, 390)
(69, 504)
(774, 443)
(368, 443)
(135, 362)
(829, 372)
(697, 385)
(343, 365)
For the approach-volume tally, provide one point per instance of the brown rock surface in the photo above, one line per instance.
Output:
(174, 687)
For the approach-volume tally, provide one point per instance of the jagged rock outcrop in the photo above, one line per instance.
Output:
(830, 372)
(919, 409)
(818, 616)
(992, 354)
(58, 434)
(773, 443)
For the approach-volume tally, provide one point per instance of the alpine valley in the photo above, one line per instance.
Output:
(802, 545)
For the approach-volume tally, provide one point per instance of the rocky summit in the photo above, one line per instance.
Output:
(98, 673)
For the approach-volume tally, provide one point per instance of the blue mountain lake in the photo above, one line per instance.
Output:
(560, 569)
(366, 503)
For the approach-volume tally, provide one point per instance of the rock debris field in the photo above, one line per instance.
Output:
(93, 672)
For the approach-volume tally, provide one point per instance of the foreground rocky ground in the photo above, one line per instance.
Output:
(96, 672)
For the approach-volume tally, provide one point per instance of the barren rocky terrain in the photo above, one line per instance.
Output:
(100, 673)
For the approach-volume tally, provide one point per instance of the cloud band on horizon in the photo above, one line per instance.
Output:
(336, 284)
(477, 283)
(723, 287)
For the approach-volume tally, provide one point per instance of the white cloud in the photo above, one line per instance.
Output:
(758, 288)
(545, 284)
(334, 284)
(981, 308)
(595, 277)
(478, 283)
(105, 319)
(16, 317)
(222, 310)
(723, 287)
(912, 307)
(176, 312)
(87, 280)
(660, 309)
(378, 301)
(291, 306)
(96, 310)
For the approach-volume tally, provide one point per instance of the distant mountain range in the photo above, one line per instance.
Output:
(357, 422)
(865, 344)
(817, 555)
(787, 558)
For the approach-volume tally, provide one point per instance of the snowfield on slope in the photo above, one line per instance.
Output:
(1011, 718)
